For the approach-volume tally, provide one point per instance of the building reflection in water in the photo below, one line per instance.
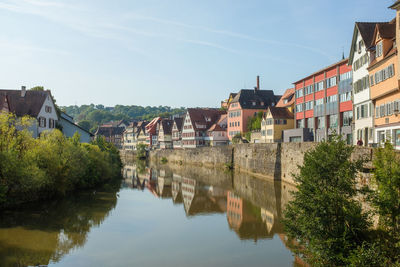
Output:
(253, 206)
(42, 233)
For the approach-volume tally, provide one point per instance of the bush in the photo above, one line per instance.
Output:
(324, 217)
(164, 160)
(52, 165)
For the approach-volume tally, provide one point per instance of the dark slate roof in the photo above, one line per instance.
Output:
(179, 123)
(30, 104)
(204, 116)
(367, 31)
(281, 113)
(167, 126)
(109, 131)
(387, 30)
(262, 98)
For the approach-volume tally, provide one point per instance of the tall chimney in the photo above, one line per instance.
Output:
(258, 82)
(23, 91)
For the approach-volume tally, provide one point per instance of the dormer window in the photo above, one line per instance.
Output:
(379, 49)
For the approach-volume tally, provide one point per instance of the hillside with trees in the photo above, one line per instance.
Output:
(90, 116)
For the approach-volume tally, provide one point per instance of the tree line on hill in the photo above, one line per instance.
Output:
(91, 116)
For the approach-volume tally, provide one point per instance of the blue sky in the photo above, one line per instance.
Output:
(172, 52)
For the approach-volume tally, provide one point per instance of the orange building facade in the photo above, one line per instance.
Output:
(384, 84)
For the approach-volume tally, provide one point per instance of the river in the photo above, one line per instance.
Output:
(159, 216)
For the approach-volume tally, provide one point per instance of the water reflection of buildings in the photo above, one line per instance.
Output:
(245, 219)
(253, 208)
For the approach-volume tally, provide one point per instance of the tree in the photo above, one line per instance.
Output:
(85, 125)
(255, 122)
(37, 88)
(324, 218)
(386, 197)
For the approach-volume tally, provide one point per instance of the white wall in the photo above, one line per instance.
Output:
(362, 97)
(43, 113)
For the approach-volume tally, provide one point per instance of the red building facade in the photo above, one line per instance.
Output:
(323, 102)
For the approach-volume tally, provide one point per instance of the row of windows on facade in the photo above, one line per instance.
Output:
(267, 132)
(188, 126)
(309, 105)
(233, 114)
(234, 124)
(360, 62)
(382, 75)
(325, 84)
(387, 109)
(272, 121)
(42, 123)
(364, 111)
(361, 84)
(320, 121)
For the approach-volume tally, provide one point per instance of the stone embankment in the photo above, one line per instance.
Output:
(277, 161)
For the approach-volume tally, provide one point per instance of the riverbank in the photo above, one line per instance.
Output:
(50, 166)
(273, 161)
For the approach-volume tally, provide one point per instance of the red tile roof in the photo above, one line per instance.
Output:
(289, 96)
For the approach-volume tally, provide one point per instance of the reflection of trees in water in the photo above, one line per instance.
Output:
(40, 233)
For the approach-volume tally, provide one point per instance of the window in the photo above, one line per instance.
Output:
(319, 86)
(333, 121)
(319, 102)
(300, 123)
(345, 76)
(42, 122)
(309, 105)
(309, 89)
(269, 132)
(361, 84)
(310, 123)
(379, 49)
(345, 97)
(299, 93)
(51, 123)
(330, 82)
(299, 108)
(47, 109)
(332, 98)
(347, 118)
(321, 122)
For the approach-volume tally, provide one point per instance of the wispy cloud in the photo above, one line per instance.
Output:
(227, 33)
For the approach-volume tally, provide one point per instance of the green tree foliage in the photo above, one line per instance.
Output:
(386, 196)
(255, 122)
(141, 151)
(324, 217)
(99, 114)
(85, 125)
(52, 165)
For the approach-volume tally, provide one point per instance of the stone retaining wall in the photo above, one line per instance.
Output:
(277, 161)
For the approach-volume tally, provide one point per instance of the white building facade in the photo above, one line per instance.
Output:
(363, 109)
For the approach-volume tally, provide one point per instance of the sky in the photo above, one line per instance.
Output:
(172, 52)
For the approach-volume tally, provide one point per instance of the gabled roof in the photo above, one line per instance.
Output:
(65, 117)
(396, 5)
(113, 123)
(289, 96)
(280, 113)
(366, 30)
(261, 98)
(109, 131)
(386, 30)
(30, 104)
(203, 118)
(179, 123)
(167, 126)
(151, 127)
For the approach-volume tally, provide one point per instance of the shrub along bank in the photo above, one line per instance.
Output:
(53, 165)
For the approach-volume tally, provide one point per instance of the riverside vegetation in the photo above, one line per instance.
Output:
(50, 166)
(326, 222)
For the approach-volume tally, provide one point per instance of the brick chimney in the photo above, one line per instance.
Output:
(23, 91)
(258, 82)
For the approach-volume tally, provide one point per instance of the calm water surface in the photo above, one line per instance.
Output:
(159, 217)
